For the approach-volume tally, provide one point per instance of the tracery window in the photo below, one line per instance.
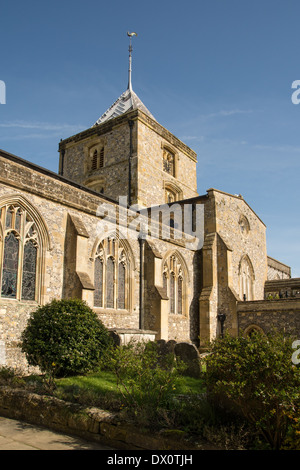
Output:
(174, 283)
(246, 279)
(169, 162)
(19, 254)
(98, 293)
(112, 275)
(173, 192)
(244, 225)
(170, 196)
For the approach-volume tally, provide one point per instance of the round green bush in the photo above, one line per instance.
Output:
(64, 337)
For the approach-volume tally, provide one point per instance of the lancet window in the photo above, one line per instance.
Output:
(174, 282)
(96, 158)
(169, 162)
(112, 275)
(246, 279)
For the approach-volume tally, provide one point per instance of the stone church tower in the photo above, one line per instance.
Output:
(128, 153)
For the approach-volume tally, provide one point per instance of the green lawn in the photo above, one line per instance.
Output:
(102, 387)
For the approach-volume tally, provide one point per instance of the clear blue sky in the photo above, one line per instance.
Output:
(216, 73)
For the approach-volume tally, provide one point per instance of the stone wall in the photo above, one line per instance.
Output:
(69, 215)
(90, 423)
(283, 315)
(283, 288)
(145, 145)
(229, 211)
(233, 232)
(113, 177)
(277, 270)
(13, 319)
(183, 327)
(152, 179)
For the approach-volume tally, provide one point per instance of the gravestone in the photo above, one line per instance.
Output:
(188, 353)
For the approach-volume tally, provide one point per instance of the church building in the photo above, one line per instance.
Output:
(123, 227)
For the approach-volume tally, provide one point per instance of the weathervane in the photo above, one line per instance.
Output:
(130, 35)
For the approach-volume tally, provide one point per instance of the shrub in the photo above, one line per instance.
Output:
(145, 379)
(64, 337)
(256, 375)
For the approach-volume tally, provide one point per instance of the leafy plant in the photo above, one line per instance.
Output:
(64, 337)
(256, 376)
(146, 380)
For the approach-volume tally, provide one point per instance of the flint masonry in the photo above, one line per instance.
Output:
(142, 286)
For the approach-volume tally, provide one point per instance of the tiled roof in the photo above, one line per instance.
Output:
(126, 102)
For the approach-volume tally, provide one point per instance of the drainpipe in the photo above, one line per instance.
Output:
(62, 160)
(129, 162)
(142, 271)
(222, 318)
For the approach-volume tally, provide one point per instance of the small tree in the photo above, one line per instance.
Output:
(256, 375)
(64, 337)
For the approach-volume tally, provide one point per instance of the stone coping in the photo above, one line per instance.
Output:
(270, 305)
(89, 423)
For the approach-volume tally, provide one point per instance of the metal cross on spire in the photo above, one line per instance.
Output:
(130, 35)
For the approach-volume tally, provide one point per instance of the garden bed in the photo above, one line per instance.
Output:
(90, 423)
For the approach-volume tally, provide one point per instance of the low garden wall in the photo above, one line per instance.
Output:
(89, 423)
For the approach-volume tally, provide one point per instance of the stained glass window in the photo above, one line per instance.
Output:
(29, 271)
(111, 280)
(98, 283)
(175, 284)
(20, 254)
(18, 220)
(10, 266)
(172, 293)
(179, 296)
(165, 282)
(9, 216)
(121, 286)
(110, 268)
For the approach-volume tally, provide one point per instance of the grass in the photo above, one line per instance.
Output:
(102, 388)
(187, 412)
(101, 383)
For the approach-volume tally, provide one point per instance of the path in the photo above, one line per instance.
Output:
(17, 435)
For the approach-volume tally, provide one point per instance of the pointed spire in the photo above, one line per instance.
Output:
(130, 35)
(128, 100)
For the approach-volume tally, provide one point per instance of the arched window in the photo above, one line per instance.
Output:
(96, 156)
(112, 275)
(172, 293)
(10, 266)
(170, 196)
(169, 162)
(98, 294)
(179, 295)
(251, 330)
(110, 282)
(244, 225)
(20, 254)
(246, 274)
(121, 285)
(29, 270)
(173, 192)
(174, 283)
